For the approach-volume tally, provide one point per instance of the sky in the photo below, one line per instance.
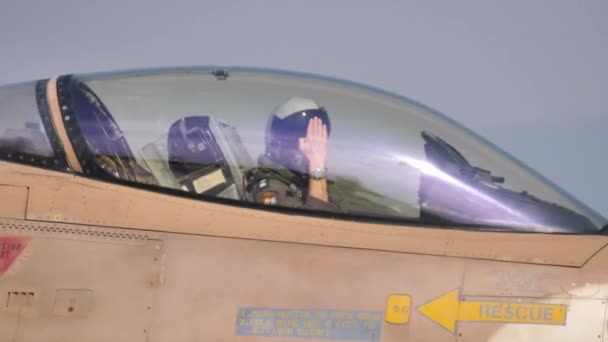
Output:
(530, 76)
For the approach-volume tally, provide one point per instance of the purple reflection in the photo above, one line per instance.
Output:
(445, 196)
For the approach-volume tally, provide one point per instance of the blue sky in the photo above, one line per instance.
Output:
(529, 76)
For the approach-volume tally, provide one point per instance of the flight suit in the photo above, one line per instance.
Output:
(271, 184)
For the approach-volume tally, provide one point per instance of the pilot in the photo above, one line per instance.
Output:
(195, 159)
(291, 172)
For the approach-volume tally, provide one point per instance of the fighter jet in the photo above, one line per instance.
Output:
(243, 204)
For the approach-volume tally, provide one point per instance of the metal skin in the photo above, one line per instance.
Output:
(87, 260)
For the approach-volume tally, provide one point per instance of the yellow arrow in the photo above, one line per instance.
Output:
(447, 309)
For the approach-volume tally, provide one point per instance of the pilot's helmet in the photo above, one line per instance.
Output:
(287, 123)
(192, 148)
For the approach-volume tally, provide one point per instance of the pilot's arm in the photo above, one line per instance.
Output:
(314, 147)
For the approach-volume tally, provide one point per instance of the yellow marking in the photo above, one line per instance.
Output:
(398, 309)
(447, 309)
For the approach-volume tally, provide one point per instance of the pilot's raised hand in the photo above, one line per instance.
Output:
(314, 147)
(314, 144)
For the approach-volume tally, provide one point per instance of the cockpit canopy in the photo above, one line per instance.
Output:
(201, 130)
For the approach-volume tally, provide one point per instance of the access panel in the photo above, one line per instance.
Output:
(76, 283)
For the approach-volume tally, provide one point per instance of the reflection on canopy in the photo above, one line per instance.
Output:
(454, 192)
